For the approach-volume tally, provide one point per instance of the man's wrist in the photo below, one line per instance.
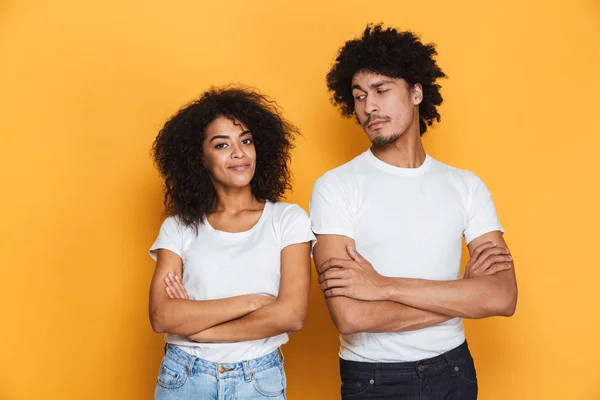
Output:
(387, 288)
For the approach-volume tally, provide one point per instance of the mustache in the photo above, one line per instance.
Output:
(374, 117)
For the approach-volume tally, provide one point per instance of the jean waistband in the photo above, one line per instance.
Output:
(223, 370)
(451, 357)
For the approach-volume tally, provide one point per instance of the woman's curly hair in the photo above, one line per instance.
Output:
(391, 53)
(178, 150)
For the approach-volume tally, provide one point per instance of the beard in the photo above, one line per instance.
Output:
(380, 141)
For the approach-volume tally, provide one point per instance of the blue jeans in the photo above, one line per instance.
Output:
(450, 376)
(183, 376)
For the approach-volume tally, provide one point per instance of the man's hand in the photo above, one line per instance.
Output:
(488, 259)
(354, 278)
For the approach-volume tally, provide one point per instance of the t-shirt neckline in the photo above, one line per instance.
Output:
(265, 211)
(376, 162)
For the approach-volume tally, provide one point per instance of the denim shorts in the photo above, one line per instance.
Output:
(183, 376)
(449, 376)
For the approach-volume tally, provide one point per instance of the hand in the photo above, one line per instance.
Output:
(487, 259)
(175, 288)
(355, 278)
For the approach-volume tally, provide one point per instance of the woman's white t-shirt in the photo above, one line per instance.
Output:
(219, 264)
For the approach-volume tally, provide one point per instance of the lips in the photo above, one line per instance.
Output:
(376, 124)
(240, 167)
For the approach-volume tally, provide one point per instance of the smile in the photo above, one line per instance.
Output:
(240, 167)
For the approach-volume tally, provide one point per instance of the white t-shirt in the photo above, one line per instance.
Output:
(219, 264)
(408, 222)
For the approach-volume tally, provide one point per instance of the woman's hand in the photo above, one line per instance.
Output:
(175, 288)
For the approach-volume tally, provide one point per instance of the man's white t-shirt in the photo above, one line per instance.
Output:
(408, 222)
(219, 264)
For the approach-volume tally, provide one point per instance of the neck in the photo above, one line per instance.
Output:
(406, 152)
(233, 200)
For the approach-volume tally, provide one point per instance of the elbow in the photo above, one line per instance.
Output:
(296, 325)
(295, 321)
(509, 307)
(157, 320)
(346, 328)
(346, 323)
(504, 306)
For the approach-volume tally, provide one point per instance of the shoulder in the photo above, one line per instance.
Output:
(463, 180)
(283, 210)
(173, 224)
(345, 174)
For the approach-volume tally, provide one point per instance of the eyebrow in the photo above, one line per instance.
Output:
(373, 85)
(246, 132)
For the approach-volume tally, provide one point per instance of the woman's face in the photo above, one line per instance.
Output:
(229, 153)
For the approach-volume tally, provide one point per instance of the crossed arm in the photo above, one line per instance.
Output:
(232, 319)
(361, 300)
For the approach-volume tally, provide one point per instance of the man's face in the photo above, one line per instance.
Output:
(385, 107)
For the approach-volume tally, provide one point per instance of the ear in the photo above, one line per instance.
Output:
(417, 93)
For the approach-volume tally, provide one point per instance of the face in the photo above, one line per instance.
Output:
(387, 108)
(229, 153)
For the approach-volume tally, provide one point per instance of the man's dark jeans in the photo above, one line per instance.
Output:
(450, 376)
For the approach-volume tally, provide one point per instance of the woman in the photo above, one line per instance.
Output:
(232, 275)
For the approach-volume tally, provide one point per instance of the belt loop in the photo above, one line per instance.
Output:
(280, 354)
(247, 373)
(450, 364)
(377, 374)
(190, 367)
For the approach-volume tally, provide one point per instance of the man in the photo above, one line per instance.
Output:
(389, 227)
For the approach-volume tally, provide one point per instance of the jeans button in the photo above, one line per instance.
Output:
(371, 381)
(421, 368)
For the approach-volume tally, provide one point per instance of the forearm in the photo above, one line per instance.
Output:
(186, 317)
(271, 320)
(352, 316)
(479, 297)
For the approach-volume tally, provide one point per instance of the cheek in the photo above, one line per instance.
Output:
(213, 161)
(251, 153)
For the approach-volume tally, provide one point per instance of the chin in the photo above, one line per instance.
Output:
(384, 139)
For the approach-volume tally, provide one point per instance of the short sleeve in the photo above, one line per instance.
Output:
(481, 212)
(295, 226)
(170, 237)
(330, 210)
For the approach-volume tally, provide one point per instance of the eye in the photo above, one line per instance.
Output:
(359, 97)
(220, 146)
(247, 141)
(380, 91)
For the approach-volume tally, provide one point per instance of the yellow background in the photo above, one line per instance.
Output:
(84, 87)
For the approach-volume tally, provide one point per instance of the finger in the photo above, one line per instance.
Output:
(336, 292)
(496, 259)
(480, 249)
(497, 268)
(171, 291)
(171, 285)
(333, 273)
(332, 283)
(175, 286)
(333, 263)
(485, 256)
(181, 288)
(354, 254)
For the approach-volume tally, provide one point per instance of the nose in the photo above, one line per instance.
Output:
(371, 105)
(237, 152)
